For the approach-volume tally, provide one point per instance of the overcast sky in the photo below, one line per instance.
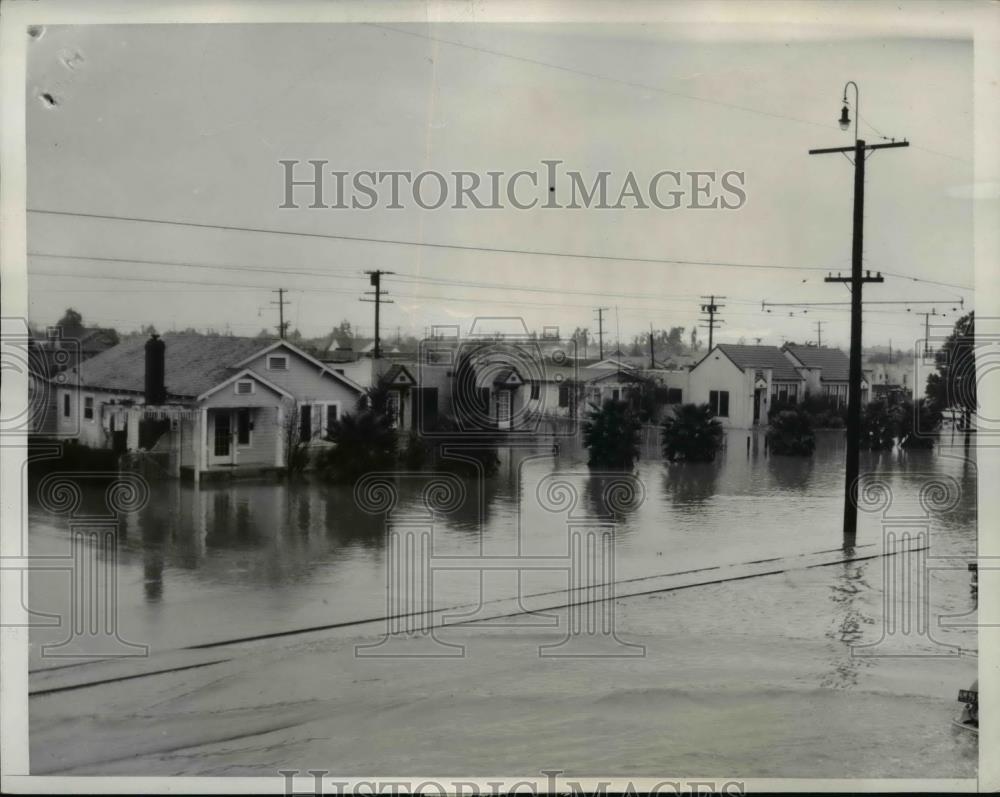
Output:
(188, 123)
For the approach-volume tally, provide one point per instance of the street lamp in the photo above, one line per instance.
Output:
(845, 117)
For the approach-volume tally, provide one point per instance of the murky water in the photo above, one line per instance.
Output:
(227, 561)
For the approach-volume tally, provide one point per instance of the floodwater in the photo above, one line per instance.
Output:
(222, 563)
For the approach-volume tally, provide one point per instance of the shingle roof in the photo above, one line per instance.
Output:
(194, 363)
(761, 357)
(833, 363)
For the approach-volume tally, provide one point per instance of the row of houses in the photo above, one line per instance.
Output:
(227, 404)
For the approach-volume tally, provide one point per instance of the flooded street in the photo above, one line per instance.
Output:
(726, 573)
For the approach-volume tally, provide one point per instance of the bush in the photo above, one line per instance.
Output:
(916, 426)
(364, 442)
(611, 435)
(879, 425)
(791, 433)
(692, 434)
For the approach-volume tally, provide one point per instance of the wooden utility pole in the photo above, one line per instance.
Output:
(819, 332)
(281, 312)
(378, 293)
(652, 357)
(711, 309)
(600, 331)
(856, 282)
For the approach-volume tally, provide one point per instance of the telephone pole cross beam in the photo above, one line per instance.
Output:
(856, 280)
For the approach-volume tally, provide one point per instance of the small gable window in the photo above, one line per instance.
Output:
(244, 387)
(277, 362)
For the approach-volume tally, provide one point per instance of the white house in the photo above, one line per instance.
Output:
(215, 403)
(740, 383)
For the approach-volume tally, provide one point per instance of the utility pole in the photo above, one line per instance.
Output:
(819, 332)
(281, 311)
(927, 330)
(856, 281)
(711, 309)
(600, 331)
(652, 357)
(378, 293)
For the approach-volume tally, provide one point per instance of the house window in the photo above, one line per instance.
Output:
(66, 406)
(305, 423)
(563, 395)
(88, 408)
(244, 426)
(244, 387)
(674, 395)
(277, 362)
(718, 400)
(536, 391)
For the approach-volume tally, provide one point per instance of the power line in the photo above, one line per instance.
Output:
(449, 246)
(640, 86)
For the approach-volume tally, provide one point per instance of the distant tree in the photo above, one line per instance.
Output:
(692, 434)
(954, 384)
(611, 435)
(790, 432)
(695, 343)
(71, 323)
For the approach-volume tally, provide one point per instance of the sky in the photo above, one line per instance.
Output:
(189, 122)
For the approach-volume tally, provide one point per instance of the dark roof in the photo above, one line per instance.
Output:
(397, 370)
(771, 357)
(833, 363)
(194, 363)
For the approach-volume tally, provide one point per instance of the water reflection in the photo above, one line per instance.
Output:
(691, 485)
(305, 552)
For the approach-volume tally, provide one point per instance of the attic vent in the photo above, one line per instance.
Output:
(277, 363)
(244, 388)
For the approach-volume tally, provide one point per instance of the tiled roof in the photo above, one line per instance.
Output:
(833, 363)
(194, 363)
(771, 357)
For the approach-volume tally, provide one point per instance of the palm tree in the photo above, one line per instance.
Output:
(611, 435)
(692, 434)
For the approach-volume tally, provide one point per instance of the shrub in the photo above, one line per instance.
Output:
(791, 433)
(692, 434)
(364, 442)
(611, 435)
(916, 426)
(878, 427)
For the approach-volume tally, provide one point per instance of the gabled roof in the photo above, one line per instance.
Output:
(246, 373)
(508, 377)
(194, 363)
(399, 374)
(747, 357)
(833, 363)
(284, 344)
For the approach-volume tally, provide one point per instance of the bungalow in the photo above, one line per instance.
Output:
(213, 403)
(826, 371)
(740, 382)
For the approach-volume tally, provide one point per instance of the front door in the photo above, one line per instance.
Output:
(221, 446)
(503, 409)
(758, 394)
